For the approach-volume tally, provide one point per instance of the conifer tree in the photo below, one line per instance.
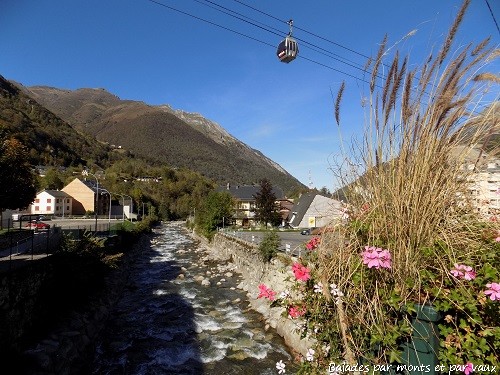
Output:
(266, 210)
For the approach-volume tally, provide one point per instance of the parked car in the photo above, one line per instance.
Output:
(37, 225)
(307, 231)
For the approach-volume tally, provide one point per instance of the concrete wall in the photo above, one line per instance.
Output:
(246, 257)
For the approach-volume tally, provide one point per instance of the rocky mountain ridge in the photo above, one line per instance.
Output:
(163, 134)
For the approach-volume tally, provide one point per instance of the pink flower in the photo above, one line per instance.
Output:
(265, 292)
(461, 271)
(469, 368)
(313, 243)
(493, 291)
(498, 238)
(301, 272)
(376, 257)
(295, 312)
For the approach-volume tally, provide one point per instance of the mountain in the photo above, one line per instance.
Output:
(49, 139)
(162, 134)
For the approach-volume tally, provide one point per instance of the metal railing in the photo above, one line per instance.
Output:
(255, 238)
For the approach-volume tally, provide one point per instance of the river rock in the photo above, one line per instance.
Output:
(205, 282)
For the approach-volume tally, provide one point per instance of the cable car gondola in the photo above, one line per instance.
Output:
(288, 48)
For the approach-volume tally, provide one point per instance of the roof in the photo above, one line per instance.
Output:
(56, 193)
(300, 208)
(248, 192)
(92, 185)
(314, 204)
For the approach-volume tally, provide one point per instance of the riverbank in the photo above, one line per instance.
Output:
(70, 343)
(245, 260)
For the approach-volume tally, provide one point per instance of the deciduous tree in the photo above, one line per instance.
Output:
(216, 210)
(17, 180)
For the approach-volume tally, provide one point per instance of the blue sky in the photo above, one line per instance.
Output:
(140, 50)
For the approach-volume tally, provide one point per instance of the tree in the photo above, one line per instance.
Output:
(269, 246)
(266, 209)
(52, 180)
(216, 209)
(17, 180)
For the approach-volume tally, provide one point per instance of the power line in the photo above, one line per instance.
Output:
(278, 32)
(210, 22)
(255, 39)
(298, 28)
(492, 15)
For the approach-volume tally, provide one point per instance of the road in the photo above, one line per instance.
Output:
(295, 240)
(81, 223)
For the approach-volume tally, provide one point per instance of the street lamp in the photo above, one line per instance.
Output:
(85, 173)
(109, 214)
(123, 204)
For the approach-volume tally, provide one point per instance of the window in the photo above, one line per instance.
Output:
(57, 200)
(37, 200)
(37, 208)
(48, 208)
(67, 208)
(49, 200)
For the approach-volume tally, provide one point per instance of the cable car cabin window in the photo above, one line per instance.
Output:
(287, 50)
(281, 50)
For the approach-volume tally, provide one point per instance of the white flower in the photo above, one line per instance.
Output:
(326, 349)
(336, 292)
(310, 354)
(280, 366)
(284, 294)
(318, 288)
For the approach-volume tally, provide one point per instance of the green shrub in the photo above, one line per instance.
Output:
(269, 246)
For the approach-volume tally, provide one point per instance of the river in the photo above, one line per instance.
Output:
(168, 322)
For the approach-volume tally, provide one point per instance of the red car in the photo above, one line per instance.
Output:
(37, 225)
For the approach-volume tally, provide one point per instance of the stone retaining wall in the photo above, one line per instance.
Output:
(276, 275)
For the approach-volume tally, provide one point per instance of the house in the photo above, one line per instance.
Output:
(52, 202)
(484, 182)
(481, 170)
(87, 196)
(314, 210)
(244, 202)
(285, 208)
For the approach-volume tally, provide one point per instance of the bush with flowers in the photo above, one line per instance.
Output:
(467, 297)
(409, 235)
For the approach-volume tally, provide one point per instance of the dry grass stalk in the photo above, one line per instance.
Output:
(337, 102)
(414, 181)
